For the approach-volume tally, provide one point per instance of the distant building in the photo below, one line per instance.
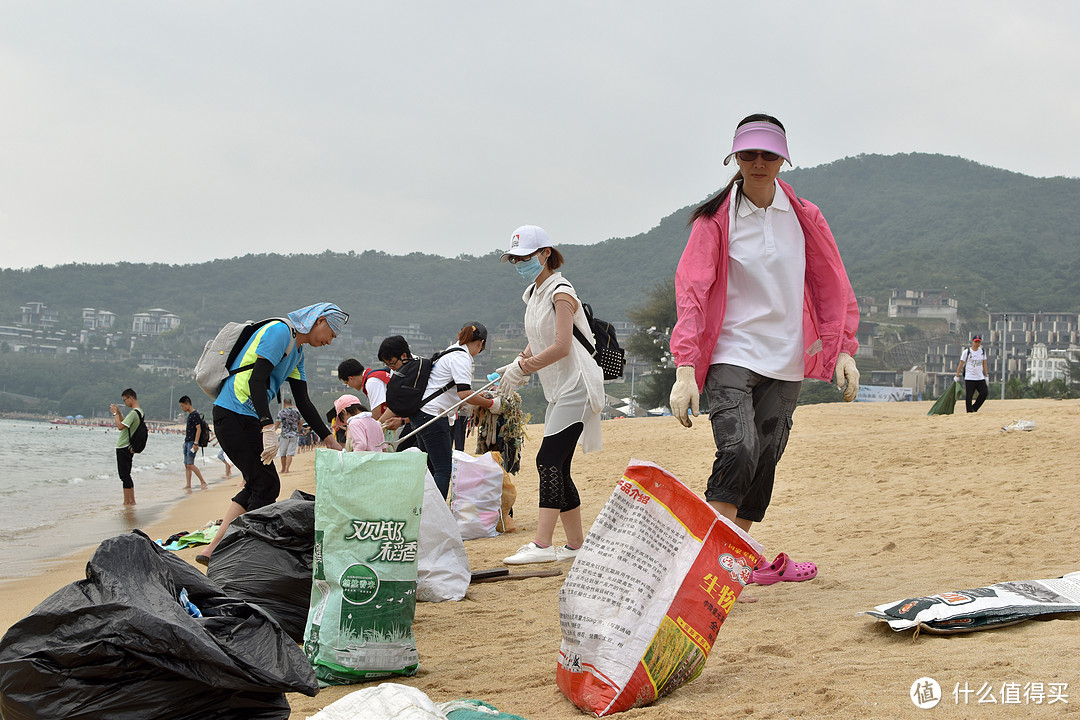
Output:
(154, 322)
(866, 334)
(167, 364)
(1017, 334)
(419, 343)
(1046, 365)
(867, 305)
(507, 332)
(924, 304)
(36, 314)
(98, 319)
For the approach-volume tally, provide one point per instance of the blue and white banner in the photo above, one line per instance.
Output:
(884, 393)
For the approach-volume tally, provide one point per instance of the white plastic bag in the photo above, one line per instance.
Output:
(476, 500)
(442, 571)
(388, 700)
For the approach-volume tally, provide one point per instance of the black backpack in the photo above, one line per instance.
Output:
(608, 354)
(204, 434)
(137, 439)
(405, 389)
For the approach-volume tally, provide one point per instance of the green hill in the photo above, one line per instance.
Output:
(910, 221)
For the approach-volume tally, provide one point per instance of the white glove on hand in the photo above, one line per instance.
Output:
(496, 407)
(511, 377)
(270, 444)
(684, 395)
(847, 376)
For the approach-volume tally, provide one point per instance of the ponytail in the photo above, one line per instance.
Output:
(711, 206)
(471, 332)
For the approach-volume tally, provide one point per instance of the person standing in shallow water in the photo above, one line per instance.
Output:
(124, 456)
(192, 436)
(763, 301)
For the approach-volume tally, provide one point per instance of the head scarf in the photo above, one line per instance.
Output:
(304, 318)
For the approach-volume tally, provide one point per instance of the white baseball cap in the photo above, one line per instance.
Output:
(526, 240)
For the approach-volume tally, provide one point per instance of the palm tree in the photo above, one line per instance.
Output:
(1017, 387)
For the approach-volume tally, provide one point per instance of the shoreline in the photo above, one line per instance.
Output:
(62, 493)
(21, 592)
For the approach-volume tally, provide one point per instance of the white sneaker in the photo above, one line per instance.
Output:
(565, 553)
(531, 553)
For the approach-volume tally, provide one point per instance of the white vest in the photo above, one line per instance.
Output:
(561, 376)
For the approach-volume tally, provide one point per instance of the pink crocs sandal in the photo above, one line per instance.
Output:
(783, 569)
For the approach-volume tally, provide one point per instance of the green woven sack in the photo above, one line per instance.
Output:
(363, 594)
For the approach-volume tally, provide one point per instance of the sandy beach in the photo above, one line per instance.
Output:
(888, 502)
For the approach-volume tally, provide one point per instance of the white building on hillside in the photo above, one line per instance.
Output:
(154, 322)
(1044, 365)
(94, 319)
(924, 304)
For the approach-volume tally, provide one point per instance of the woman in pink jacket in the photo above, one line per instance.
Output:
(763, 301)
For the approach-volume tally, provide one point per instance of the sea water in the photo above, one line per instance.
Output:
(60, 492)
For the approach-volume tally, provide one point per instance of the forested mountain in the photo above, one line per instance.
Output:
(911, 221)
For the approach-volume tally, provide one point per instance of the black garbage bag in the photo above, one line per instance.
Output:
(265, 558)
(120, 645)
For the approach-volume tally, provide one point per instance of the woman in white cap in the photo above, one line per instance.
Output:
(763, 301)
(573, 386)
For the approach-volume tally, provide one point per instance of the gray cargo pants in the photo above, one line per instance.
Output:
(751, 420)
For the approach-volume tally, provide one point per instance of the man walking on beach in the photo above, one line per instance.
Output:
(124, 456)
(288, 421)
(974, 371)
(192, 436)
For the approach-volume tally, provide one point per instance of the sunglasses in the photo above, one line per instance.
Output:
(752, 155)
(514, 260)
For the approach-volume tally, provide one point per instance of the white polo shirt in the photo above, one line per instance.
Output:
(763, 322)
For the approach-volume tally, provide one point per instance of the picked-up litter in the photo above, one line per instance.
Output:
(128, 643)
(1019, 426)
(363, 593)
(265, 558)
(982, 608)
(643, 603)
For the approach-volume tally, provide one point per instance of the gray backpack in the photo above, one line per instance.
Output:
(212, 369)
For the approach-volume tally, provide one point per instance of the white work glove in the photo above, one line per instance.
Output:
(847, 376)
(496, 406)
(511, 377)
(270, 443)
(684, 395)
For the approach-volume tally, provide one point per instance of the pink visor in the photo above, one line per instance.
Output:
(759, 136)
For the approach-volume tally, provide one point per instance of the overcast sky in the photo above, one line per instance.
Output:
(179, 132)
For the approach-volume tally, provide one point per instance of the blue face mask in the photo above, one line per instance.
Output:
(530, 269)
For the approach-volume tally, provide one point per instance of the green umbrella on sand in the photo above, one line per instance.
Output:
(947, 402)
